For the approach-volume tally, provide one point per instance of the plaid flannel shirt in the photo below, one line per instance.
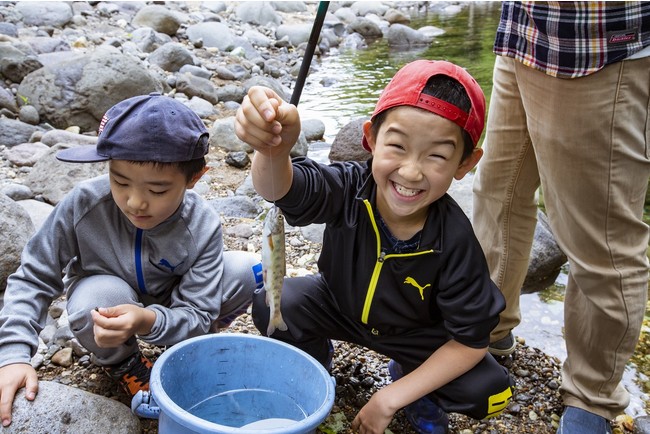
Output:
(572, 39)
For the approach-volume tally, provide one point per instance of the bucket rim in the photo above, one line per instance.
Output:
(173, 411)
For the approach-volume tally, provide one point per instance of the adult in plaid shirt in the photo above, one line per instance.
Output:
(570, 112)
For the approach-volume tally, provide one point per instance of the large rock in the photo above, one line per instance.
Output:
(347, 143)
(16, 228)
(14, 132)
(159, 18)
(52, 178)
(212, 34)
(16, 63)
(80, 90)
(55, 14)
(546, 258)
(60, 409)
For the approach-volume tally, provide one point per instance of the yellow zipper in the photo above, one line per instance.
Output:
(381, 257)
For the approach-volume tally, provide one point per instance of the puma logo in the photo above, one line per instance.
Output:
(165, 263)
(411, 281)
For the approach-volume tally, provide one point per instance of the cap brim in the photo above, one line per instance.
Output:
(81, 154)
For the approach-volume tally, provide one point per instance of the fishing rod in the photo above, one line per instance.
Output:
(309, 51)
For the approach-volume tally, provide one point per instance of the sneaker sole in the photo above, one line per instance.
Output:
(503, 352)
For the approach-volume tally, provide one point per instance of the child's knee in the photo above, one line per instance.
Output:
(493, 398)
(242, 269)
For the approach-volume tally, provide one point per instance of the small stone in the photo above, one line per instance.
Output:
(63, 358)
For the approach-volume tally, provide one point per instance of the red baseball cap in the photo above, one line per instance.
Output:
(406, 87)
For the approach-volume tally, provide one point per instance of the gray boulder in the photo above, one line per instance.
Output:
(171, 57)
(366, 28)
(16, 228)
(52, 137)
(7, 100)
(159, 18)
(14, 132)
(212, 34)
(347, 143)
(25, 154)
(314, 129)
(38, 211)
(80, 90)
(222, 135)
(399, 35)
(363, 8)
(55, 14)
(191, 85)
(52, 178)
(16, 63)
(260, 13)
(546, 258)
(60, 409)
(295, 33)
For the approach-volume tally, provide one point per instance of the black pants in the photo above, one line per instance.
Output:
(313, 317)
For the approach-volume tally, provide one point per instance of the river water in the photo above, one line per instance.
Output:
(345, 85)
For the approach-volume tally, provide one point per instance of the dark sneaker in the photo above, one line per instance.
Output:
(330, 356)
(425, 416)
(578, 421)
(132, 374)
(503, 347)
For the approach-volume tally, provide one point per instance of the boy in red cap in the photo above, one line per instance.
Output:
(401, 271)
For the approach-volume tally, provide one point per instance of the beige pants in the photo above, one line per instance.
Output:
(586, 141)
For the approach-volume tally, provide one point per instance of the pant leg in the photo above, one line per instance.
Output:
(99, 291)
(591, 139)
(312, 317)
(482, 392)
(242, 274)
(504, 202)
(310, 313)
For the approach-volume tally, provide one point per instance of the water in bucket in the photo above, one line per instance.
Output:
(240, 407)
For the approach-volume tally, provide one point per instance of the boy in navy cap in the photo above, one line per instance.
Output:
(142, 254)
(401, 271)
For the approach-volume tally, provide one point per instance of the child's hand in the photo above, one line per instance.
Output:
(374, 417)
(114, 325)
(12, 378)
(267, 123)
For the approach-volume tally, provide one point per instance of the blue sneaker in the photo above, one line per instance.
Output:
(578, 421)
(425, 416)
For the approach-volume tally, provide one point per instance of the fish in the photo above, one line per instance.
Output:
(274, 266)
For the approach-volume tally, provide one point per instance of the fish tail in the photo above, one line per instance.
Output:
(276, 323)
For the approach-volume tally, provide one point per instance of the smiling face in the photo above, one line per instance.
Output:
(416, 155)
(147, 194)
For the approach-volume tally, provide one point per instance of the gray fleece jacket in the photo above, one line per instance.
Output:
(177, 266)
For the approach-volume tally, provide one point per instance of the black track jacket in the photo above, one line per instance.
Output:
(444, 284)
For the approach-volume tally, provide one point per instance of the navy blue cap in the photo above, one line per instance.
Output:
(145, 128)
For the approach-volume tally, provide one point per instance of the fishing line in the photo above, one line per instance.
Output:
(304, 66)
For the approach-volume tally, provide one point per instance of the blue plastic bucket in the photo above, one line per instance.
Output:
(241, 384)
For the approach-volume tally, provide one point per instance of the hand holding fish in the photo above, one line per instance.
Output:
(274, 266)
(271, 126)
(267, 123)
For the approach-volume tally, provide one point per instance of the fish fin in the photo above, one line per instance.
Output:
(267, 298)
(270, 241)
(276, 323)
